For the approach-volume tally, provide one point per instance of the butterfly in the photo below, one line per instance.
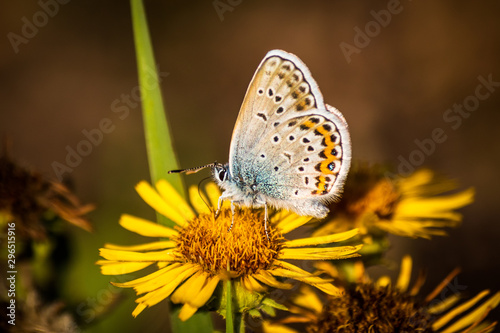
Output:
(289, 149)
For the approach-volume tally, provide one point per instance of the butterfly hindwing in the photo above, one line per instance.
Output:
(307, 154)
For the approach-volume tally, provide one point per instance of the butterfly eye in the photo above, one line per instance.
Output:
(221, 173)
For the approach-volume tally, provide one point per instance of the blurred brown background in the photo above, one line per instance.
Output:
(78, 66)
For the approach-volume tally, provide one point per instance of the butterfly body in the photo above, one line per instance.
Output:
(289, 149)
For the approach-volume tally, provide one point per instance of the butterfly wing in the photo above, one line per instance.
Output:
(286, 141)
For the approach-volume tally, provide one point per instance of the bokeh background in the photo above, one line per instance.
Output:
(78, 68)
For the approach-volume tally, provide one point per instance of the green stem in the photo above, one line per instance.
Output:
(229, 307)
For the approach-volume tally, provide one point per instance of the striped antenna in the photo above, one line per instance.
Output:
(190, 171)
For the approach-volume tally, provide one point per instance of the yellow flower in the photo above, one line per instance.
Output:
(410, 207)
(199, 252)
(384, 306)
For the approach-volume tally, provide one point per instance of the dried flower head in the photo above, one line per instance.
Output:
(383, 306)
(26, 196)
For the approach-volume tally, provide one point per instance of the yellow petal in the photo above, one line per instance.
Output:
(290, 267)
(444, 305)
(359, 272)
(484, 328)
(152, 198)
(189, 288)
(339, 237)
(118, 255)
(156, 296)
(170, 195)
(457, 311)
(138, 309)
(418, 284)
(146, 228)
(187, 311)
(405, 274)
(402, 214)
(292, 222)
(146, 278)
(162, 264)
(268, 279)
(280, 215)
(275, 328)
(206, 292)
(419, 178)
(251, 284)
(328, 268)
(430, 223)
(412, 229)
(308, 299)
(306, 276)
(383, 281)
(442, 285)
(314, 281)
(436, 204)
(475, 315)
(118, 268)
(313, 253)
(199, 200)
(168, 279)
(143, 247)
(328, 288)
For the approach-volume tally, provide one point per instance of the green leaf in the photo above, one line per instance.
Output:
(161, 154)
(269, 310)
(274, 304)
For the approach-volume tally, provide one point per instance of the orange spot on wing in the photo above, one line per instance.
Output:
(322, 183)
(328, 151)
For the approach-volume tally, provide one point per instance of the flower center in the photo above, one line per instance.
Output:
(244, 250)
(368, 308)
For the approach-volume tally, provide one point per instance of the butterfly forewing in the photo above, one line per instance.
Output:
(277, 89)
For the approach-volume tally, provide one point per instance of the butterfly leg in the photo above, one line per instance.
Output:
(221, 201)
(232, 216)
(219, 206)
(265, 217)
(265, 220)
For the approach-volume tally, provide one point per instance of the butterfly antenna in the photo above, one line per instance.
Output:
(193, 170)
